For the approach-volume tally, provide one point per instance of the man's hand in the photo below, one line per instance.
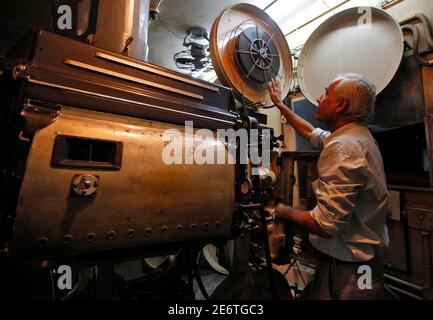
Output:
(275, 92)
(270, 210)
(303, 127)
(301, 218)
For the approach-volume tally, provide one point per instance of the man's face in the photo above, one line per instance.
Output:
(328, 103)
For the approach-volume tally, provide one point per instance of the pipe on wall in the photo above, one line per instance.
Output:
(122, 27)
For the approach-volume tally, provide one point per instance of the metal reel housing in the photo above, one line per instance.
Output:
(248, 49)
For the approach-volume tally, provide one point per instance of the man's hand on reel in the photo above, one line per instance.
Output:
(274, 89)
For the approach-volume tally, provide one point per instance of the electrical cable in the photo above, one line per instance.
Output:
(168, 30)
(198, 277)
(270, 5)
(268, 254)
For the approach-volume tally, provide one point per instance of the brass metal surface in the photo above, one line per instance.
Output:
(143, 67)
(53, 85)
(108, 72)
(120, 20)
(146, 195)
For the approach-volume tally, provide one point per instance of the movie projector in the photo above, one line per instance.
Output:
(84, 131)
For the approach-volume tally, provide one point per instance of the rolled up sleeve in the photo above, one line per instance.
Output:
(341, 177)
(318, 136)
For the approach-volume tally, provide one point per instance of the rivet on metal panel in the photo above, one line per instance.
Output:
(111, 235)
(90, 237)
(179, 228)
(148, 232)
(5, 251)
(193, 226)
(42, 241)
(17, 70)
(164, 229)
(67, 238)
(420, 217)
(130, 233)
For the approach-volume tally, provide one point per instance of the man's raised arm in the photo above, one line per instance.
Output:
(303, 127)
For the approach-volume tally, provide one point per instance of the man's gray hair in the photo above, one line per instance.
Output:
(361, 94)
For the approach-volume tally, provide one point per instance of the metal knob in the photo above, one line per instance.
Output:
(85, 185)
(275, 145)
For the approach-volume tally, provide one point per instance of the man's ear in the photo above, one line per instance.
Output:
(342, 105)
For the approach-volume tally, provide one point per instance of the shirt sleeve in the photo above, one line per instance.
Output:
(341, 177)
(318, 136)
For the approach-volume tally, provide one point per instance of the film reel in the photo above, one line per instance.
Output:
(248, 49)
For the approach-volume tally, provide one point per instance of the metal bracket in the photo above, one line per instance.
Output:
(37, 115)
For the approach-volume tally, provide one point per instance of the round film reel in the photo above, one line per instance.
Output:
(248, 49)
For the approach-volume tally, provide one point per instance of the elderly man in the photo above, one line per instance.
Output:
(347, 226)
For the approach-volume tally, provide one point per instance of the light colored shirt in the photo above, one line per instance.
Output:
(351, 194)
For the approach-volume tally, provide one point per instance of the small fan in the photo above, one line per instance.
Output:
(196, 57)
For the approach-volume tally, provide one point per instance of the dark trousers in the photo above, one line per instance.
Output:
(340, 280)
